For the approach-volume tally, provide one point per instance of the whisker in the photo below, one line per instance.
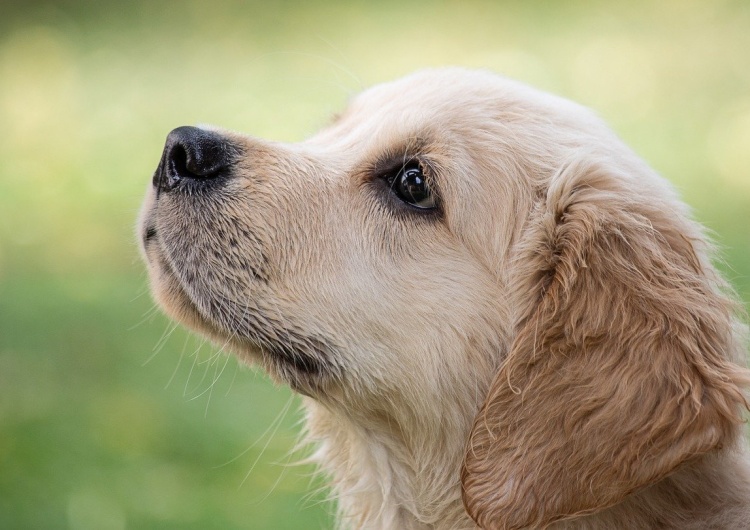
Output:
(268, 442)
(179, 361)
(234, 376)
(161, 342)
(192, 367)
(279, 418)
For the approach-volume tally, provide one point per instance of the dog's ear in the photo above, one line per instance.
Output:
(618, 372)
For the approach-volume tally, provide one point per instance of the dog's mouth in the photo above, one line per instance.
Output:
(149, 235)
(306, 361)
(209, 271)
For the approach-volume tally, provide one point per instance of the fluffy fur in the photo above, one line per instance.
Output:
(550, 348)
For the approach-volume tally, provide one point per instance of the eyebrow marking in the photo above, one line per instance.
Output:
(398, 156)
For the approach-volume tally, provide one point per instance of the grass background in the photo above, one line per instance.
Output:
(110, 417)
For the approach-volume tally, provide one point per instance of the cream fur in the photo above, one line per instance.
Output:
(552, 348)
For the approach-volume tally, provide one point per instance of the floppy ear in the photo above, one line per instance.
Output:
(619, 369)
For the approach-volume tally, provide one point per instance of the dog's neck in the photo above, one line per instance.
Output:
(394, 456)
(383, 477)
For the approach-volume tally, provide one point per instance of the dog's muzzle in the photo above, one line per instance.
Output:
(193, 156)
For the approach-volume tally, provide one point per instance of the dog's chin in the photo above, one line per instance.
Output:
(301, 361)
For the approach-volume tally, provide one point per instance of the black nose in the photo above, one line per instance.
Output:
(193, 155)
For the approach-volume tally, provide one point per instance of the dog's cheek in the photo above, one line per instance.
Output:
(410, 312)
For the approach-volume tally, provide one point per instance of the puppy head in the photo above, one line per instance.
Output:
(454, 239)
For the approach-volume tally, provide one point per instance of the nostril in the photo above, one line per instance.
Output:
(177, 165)
(194, 154)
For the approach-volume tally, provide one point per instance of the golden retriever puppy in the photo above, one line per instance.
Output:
(497, 314)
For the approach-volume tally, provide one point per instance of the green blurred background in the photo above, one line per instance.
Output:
(110, 417)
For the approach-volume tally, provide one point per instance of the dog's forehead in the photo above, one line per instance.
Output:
(405, 107)
(427, 96)
(441, 99)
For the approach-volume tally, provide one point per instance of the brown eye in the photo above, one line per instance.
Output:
(410, 185)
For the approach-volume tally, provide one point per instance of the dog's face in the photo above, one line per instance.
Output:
(458, 246)
(360, 257)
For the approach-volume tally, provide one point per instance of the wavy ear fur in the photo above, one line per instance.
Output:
(620, 369)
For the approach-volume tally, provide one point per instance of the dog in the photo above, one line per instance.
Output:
(496, 314)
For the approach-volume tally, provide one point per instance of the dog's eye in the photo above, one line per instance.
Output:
(409, 185)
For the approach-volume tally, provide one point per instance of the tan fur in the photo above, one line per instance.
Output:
(552, 349)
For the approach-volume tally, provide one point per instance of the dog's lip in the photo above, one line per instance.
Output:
(158, 258)
(288, 360)
(307, 367)
(149, 233)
